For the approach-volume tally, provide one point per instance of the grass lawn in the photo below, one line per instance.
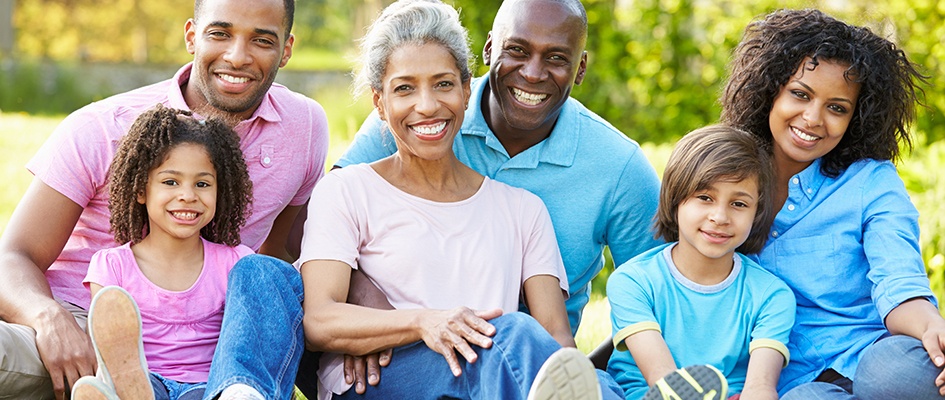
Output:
(20, 136)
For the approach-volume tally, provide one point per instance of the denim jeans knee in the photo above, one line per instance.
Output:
(896, 367)
(261, 339)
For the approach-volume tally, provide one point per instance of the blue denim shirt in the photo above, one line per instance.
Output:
(597, 184)
(849, 249)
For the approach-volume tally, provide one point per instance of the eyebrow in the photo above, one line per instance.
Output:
(176, 172)
(413, 78)
(843, 99)
(550, 49)
(259, 31)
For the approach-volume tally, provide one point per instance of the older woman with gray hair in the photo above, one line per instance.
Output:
(454, 252)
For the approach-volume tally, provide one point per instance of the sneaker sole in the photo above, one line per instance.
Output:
(92, 388)
(697, 382)
(567, 375)
(115, 328)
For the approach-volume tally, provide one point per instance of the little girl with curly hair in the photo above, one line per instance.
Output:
(179, 194)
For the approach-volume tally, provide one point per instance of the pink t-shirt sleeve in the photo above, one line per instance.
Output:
(106, 266)
(542, 256)
(331, 233)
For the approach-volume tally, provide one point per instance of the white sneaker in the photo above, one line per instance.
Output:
(241, 391)
(567, 375)
(115, 328)
(92, 388)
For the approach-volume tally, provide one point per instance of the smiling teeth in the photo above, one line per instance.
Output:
(528, 98)
(233, 79)
(429, 129)
(184, 215)
(803, 135)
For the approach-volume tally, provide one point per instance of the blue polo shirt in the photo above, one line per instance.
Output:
(597, 184)
(849, 249)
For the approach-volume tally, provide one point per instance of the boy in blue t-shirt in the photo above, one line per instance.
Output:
(696, 301)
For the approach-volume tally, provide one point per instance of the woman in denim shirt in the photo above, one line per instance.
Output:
(833, 101)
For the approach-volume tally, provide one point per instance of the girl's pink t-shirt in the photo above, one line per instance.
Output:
(179, 329)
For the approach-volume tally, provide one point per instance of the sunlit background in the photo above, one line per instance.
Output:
(655, 70)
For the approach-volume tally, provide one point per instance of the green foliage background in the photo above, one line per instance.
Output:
(655, 66)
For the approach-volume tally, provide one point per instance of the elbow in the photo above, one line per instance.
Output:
(316, 337)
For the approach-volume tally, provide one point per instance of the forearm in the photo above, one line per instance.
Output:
(278, 242)
(363, 292)
(545, 302)
(356, 330)
(761, 380)
(913, 318)
(25, 296)
(651, 354)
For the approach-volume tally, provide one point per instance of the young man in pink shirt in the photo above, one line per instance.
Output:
(238, 47)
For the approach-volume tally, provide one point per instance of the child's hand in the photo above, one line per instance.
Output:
(933, 339)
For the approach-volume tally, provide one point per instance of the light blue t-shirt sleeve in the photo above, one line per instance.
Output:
(631, 300)
(630, 226)
(372, 142)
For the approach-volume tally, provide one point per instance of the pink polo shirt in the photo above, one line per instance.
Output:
(285, 144)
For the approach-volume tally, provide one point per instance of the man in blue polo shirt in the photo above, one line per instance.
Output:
(522, 128)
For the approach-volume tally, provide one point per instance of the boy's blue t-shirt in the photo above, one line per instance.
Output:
(718, 324)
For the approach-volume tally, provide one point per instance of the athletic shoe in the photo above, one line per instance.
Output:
(567, 375)
(241, 391)
(115, 327)
(695, 382)
(92, 388)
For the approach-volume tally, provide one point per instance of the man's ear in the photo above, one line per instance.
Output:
(582, 69)
(487, 50)
(190, 35)
(287, 50)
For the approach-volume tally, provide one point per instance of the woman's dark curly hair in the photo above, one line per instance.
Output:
(773, 49)
(147, 145)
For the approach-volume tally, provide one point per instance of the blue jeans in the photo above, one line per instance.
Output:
(894, 367)
(169, 389)
(261, 338)
(504, 371)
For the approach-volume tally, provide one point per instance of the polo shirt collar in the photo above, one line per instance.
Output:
(266, 110)
(559, 148)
